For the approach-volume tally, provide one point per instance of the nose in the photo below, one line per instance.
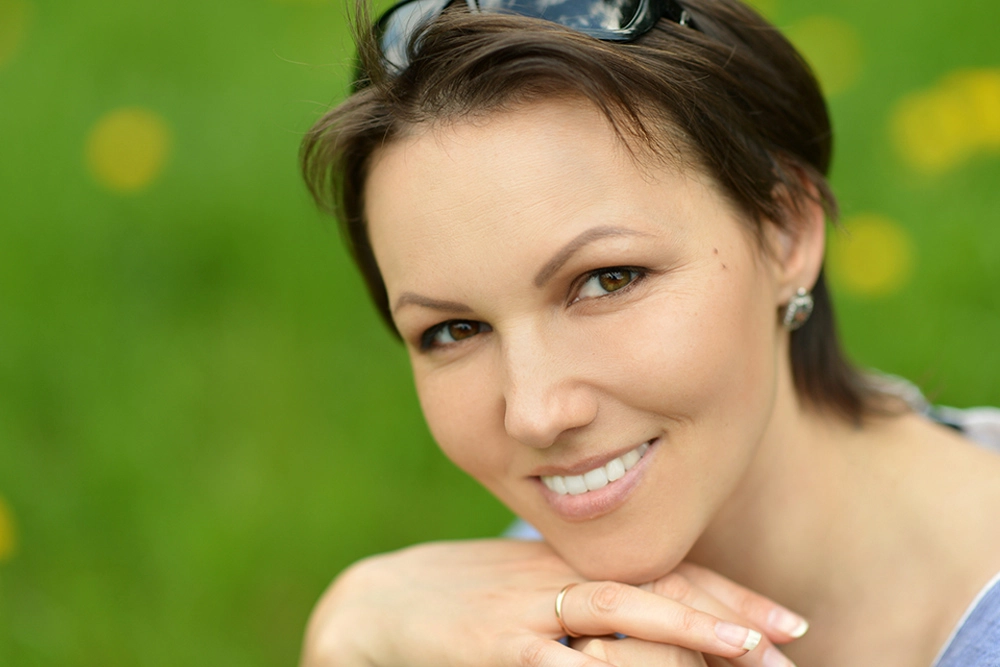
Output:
(544, 395)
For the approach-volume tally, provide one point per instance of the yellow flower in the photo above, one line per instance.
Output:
(872, 256)
(8, 536)
(940, 128)
(128, 148)
(15, 15)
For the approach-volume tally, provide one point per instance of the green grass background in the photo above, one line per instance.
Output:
(201, 419)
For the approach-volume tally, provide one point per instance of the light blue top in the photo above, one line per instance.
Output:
(976, 640)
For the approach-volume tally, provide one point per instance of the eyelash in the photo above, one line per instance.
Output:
(635, 274)
(427, 338)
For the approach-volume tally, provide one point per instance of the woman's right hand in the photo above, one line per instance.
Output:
(490, 602)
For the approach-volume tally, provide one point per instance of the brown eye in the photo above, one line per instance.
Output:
(451, 332)
(606, 281)
(461, 330)
(612, 281)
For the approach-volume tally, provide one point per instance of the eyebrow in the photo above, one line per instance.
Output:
(412, 299)
(542, 277)
(582, 239)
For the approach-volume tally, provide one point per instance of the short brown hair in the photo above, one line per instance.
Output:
(732, 98)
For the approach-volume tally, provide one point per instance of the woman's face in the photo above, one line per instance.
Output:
(567, 309)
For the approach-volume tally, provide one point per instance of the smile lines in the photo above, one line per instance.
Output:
(597, 478)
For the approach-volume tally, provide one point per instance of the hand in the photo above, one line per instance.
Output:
(490, 602)
(708, 591)
(635, 652)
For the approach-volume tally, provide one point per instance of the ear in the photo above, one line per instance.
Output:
(797, 247)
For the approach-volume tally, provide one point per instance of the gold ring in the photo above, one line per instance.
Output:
(559, 615)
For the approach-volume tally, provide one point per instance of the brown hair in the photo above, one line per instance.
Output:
(731, 98)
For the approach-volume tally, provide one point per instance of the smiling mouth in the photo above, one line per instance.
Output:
(598, 478)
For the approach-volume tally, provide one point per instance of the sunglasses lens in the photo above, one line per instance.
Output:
(604, 19)
(590, 16)
(399, 25)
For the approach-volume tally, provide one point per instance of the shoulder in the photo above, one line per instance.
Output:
(976, 640)
(981, 425)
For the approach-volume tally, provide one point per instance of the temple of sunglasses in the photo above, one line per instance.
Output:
(609, 20)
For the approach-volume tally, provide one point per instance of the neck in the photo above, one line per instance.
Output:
(876, 534)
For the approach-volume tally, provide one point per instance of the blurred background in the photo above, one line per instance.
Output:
(202, 420)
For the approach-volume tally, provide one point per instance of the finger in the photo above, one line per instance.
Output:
(771, 657)
(678, 587)
(531, 651)
(777, 622)
(631, 652)
(607, 607)
(713, 661)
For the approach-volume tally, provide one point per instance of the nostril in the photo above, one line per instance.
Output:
(539, 420)
(543, 394)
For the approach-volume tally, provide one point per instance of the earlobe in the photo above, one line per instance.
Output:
(798, 310)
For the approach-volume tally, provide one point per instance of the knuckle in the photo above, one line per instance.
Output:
(703, 577)
(753, 608)
(675, 586)
(746, 604)
(688, 621)
(532, 653)
(607, 598)
(358, 576)
(595, 648)
(690, 570)
(331, 637)
(742, 601)
(323, 646)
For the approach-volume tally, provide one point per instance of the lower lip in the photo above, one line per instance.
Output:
(594, 504)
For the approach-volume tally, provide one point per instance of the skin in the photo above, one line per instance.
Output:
(554, 373)
(481, 603)
(688, 353)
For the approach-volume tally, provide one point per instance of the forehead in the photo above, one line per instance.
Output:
(472, 192)
(533, 145)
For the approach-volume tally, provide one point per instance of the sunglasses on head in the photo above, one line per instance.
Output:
(608, 20)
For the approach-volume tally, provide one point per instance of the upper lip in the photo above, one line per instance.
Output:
(585, 465)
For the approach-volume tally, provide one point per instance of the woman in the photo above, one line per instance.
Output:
(600, 235)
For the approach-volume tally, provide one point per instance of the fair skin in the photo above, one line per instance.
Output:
(484, 603)
(564, 302)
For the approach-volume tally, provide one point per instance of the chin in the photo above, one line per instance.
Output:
(624, 563)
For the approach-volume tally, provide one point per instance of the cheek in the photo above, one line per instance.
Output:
(701, 365)
(462, 411)
(699, 350)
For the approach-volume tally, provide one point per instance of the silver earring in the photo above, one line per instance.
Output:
(798, 310)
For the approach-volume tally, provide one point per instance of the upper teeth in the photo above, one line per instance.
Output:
(595, 479)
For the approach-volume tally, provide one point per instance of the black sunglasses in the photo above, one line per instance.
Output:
(608, 20)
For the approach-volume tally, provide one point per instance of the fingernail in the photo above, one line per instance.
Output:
(737, 635)
(775, 658)
(785, 621)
